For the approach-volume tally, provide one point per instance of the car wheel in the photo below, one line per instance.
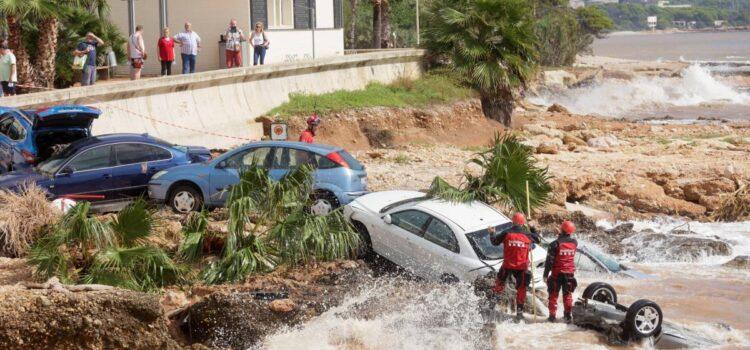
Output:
(185, 199)
(365, 247)
(643, 319)
(324, 203)
(601, 292)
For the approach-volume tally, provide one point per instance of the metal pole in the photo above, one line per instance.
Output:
(417, 22)
(131, 16)
(314, 24)
(163, 18)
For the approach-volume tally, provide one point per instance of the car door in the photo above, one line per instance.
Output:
(226, 173)
(11, 134)
(438, 249)
(405, 229)
(135, 164)
(88, 172)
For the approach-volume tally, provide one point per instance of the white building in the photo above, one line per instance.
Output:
(289, 26)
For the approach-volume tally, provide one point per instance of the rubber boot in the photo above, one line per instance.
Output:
(568, 317)
(519, 313)
(551, 319)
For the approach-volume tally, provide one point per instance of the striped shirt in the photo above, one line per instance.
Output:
(190, 41)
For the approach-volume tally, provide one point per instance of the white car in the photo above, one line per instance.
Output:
(434, 239)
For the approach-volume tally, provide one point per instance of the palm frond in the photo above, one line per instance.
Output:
(441, 189)
(140, 268)
(133, 223)
(81, 228)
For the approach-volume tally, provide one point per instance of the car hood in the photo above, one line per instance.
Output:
(15, 179)
(376, 201)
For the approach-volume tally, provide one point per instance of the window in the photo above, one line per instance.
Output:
(280, 14)
(95, 158)
(12, 128)
(133, 153)
(410, 220)
(584, 263)
(441, 234)
(324, 162)
(288, 158)
(257, 156)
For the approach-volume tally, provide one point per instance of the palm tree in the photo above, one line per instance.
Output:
(381, 24)
(490, 42)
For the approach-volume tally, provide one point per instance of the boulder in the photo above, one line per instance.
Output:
(556, 108)
(650, 246)
(282, 305)
(569, 139)
(548, 148)
(606, 141)
(646, 196)
(694, 191)
(538, 129)
(741, 262)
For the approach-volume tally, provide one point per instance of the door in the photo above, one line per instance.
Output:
(437, 251)
(401, 236)
(88, 172)
(135, 163)
(223, 177)
(12, 133)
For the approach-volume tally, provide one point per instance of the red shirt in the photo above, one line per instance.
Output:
(166, 49)
(307, 136)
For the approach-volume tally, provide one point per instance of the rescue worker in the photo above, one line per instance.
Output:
(516, 241)
(308, 135)
(561, 264)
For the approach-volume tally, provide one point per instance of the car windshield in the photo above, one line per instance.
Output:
(480, 241)
(611, 264)
(52, 164)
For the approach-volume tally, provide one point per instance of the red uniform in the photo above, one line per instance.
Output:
(516, 243)
(561, 263)
(307, 136)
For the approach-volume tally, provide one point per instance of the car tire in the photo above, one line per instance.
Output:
(323, 203)
(602, 292)
(365, 248)
(185, 199)
(643, 319)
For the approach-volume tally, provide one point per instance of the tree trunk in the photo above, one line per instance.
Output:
(498, 107)
(381, 24)
(353, 24)
(15, 42)
(47, 48)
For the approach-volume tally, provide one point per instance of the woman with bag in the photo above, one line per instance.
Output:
(137, 52)
(260, 44)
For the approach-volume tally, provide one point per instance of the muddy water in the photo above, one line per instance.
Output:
(393, 313)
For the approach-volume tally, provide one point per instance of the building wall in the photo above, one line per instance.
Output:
(218, 108)
(211, 18)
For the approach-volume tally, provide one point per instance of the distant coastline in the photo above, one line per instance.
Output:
(677, 31)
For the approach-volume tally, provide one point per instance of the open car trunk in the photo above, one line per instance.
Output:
(58, 126)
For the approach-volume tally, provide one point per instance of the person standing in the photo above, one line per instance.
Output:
(88, 48)
(137, 52)
(516, 241)
(234, 38)
(260, 44)
(560, 262)
(166, 52)
(8, 71)
(190, 45)
(308, 136)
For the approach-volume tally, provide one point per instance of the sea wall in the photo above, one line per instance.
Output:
(218, 108)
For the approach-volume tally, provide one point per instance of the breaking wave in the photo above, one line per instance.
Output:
(619, 98)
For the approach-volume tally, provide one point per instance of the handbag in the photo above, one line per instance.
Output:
(137, 63)
(79, 62)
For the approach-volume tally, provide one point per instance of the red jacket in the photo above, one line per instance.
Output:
(166, 49)
(307, 136)
(561, 256)
(516, 243)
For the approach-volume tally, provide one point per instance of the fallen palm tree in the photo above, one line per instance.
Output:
(736, 206)
(24, 216)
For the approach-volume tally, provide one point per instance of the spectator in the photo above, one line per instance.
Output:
(260, 44)
(137, 52)
(234, 38)
(8, 72)
(88, 48)
(190, 45)
(166, 52)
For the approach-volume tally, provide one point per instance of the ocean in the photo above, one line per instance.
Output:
(690, 46)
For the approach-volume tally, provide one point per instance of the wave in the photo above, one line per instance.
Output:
(694, 86)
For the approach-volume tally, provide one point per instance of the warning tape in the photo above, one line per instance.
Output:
(147, 117)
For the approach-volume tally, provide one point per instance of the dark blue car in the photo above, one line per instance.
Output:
(28, 137)
(104, 169)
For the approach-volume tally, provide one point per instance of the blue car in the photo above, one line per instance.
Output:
(28, 137)
(339, 178)
(105, 170)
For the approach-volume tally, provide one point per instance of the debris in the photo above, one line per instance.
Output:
(556, 108)
(282, 305)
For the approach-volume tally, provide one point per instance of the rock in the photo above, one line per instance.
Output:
(606, 141)
(741, 262)
(694, 191)
(556, 108)
(174, 300)
(569, 139)
(646, 196)
(560, 79)
(282, 305)
(538, 129)
(349, 264)
(375, 155)
(548, 148)
(649, 246)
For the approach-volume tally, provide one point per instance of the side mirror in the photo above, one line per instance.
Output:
(387, 219)
(66, 171)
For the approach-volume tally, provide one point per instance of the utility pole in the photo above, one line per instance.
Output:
(163, 18)
(131, 16)
(417, 22)
(378, 35)
(314, 24)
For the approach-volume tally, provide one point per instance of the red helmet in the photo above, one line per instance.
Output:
(519, 219)
(313, 120)
(568, 227)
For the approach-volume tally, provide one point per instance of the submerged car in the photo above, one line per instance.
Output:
(598, 309)
(339, 177)
(28, 137)
(434, 239)
(590, 259)
(104, 169)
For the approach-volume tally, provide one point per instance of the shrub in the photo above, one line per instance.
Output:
(24, 217)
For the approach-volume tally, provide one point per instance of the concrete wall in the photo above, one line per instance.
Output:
(211, 18)
(218, 108)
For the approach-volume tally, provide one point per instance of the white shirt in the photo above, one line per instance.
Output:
(136, 45)
(189, 42)
(258, 38)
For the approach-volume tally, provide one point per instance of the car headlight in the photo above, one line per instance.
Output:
(159, 174)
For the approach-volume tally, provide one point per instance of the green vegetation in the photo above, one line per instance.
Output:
(488, 42)
(435, 87)
(507, 166)
(702, 12)
(401, 159)
(564, 32)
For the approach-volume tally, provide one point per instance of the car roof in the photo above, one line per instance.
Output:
(116, 138)
(312, 147)
(469, 216)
